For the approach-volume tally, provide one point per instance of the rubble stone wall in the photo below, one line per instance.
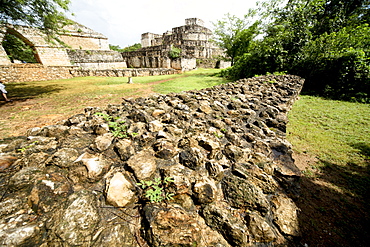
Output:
(33, 72)
(37, 72)
(219, 153)
(122, 72)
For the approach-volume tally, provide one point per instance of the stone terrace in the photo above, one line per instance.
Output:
(234, 179)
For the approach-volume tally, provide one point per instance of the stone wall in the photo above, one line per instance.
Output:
(122, 72)
(149, 57)
(37, 72)
(222, 152)
(96, 59)
(33, 72)
(52, 56)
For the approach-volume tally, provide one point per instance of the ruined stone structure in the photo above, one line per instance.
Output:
(47, 53)
(89, 50)
(234, 180)
(85, 48)
(193, 39)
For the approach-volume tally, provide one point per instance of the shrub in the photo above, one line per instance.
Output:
(174, 52)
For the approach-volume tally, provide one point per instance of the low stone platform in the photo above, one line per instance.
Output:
(219, 153)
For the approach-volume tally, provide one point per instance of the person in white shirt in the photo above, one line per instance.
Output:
(3, 91)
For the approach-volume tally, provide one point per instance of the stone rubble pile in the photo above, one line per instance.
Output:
(234, 179)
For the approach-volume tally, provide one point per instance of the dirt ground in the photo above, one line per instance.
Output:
(329, 216)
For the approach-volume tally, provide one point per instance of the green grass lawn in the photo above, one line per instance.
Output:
(204, 78)
(338, 134)
(335, 131)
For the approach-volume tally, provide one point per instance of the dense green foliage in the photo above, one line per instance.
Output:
(16, 49)
(133, 47)
(235, 35)
(174, 52)
(45, 15)
(326, 42)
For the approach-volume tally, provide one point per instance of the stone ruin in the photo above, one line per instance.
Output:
(234, 180)
(88, 52)
(193, 39)
(54, 53)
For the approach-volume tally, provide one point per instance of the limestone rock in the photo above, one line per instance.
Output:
(125, 149)
(205, 191)
(103, 142)
(95, 164)
(76, 224)
(120, 191)
(20, 236)
(240, 193)
(143, 164)
(260, 229)
(232, 228)
(6, 161)
(155, 126)
(191, 157)
(64, 157)
(286, 215)
(174, 226)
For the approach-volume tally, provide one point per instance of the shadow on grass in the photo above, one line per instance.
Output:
(335, 206)
(24, 91)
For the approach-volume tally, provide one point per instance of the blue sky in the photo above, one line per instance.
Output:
(124, 21)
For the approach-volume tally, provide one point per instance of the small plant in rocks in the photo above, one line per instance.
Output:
(118, 128)
(22, 150)
(154, 189)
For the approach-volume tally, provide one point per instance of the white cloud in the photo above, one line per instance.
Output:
(123, 22)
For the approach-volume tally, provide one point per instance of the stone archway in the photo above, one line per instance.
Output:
(47, 53)
(26, 52)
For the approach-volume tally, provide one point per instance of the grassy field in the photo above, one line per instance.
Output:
(45, 103)
(330, 140)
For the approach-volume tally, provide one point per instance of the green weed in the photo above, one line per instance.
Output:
(118, 128)
(154, 190)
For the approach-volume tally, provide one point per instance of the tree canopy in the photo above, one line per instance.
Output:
(133, 47)
(235, 34)
(325, 41)
(46, 15)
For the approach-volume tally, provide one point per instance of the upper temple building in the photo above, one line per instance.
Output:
(193, 41)
(192, 34)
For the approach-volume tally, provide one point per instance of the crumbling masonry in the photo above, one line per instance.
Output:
(88, 53)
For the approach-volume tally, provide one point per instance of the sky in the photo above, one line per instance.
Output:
(123, 22)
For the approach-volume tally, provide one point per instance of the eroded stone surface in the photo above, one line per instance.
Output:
(234, 179)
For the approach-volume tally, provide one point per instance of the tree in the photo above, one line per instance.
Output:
(325, 41)
(133, 47)
(46, 15)
(235, 34)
